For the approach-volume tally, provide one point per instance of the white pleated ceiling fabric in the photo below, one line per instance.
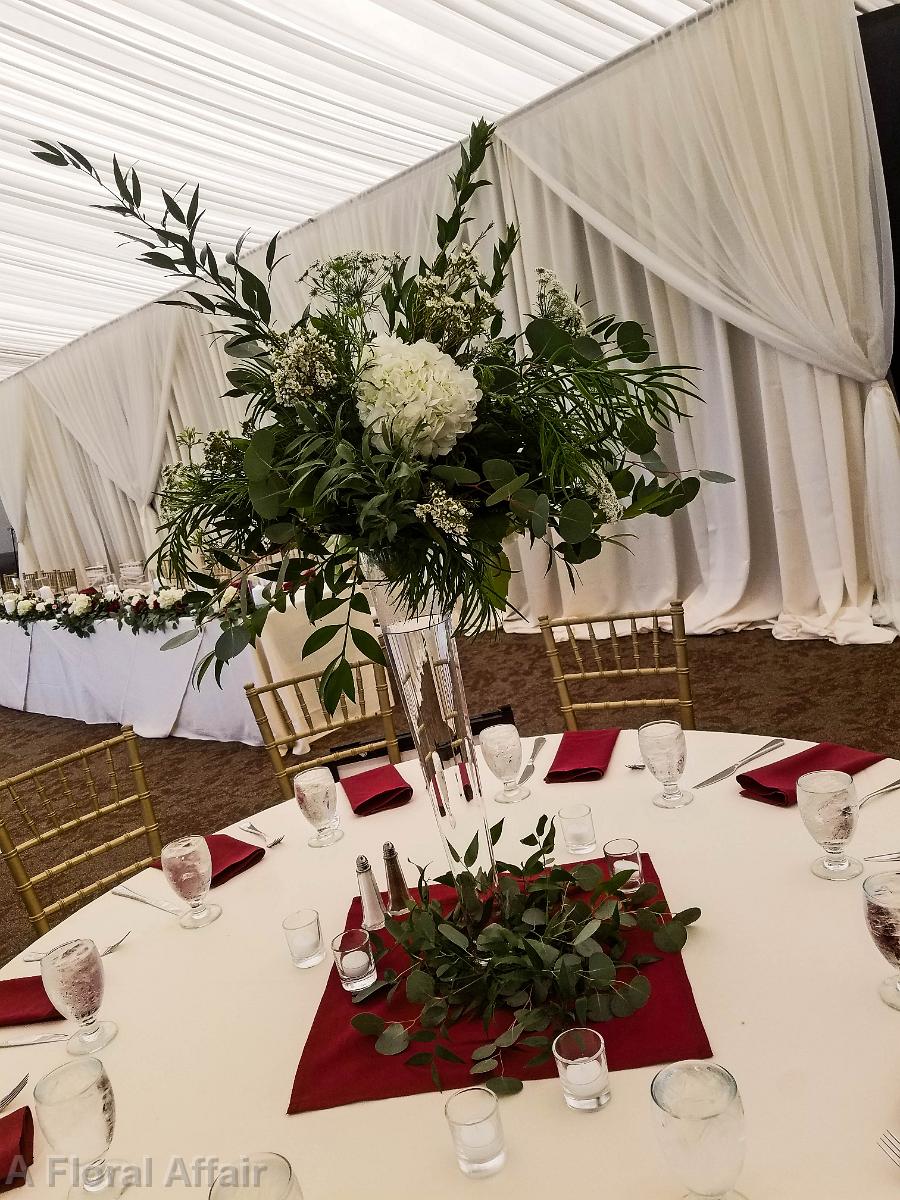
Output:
(280, 110)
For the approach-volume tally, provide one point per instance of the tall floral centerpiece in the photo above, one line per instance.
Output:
(397, 432)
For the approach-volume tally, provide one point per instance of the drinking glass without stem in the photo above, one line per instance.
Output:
(76, 1111)
(624, 854)
(73, 979)
(663, 749)
(261, 1176)
(581, 1062)
(502, 750)
(304, 937)
(316, 794)
(881, 893)
(474, 1119)
(577, 824)
(829, 807)
(187, 865)
(700, 1121)
(354, 959)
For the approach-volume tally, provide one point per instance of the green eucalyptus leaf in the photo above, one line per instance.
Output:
(670, 937)
(485, 1065)
(575, 521)
(504, 1085)
(368, 1023)
(392, 1040)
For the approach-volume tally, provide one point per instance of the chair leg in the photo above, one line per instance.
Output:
(683, 672)
(565, 700)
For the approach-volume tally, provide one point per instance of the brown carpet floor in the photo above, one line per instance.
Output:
(742, 682)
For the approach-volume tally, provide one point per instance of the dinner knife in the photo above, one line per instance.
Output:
(127, 894)
(9, 1043)
(538, 746)
(772, 745)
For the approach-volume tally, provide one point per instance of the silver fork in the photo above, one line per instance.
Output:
(882, 791)
(891, 1147)
(37, 955)
(251, 828)
(10, 1096)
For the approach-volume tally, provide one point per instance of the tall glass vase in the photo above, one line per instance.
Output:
(422, 653)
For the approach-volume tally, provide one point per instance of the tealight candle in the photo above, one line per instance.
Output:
(586, 1079)
(623, 864)
(356, 964)
(477, 1131)
(304, 937)
(354, 960)
(581, 1062)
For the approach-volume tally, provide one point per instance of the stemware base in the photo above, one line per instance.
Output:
(889, 991)
(116, 1183)
(512, 795)
(325, 837)
(848, 869)
(90, 1043)
(199, 919)
(676, 800)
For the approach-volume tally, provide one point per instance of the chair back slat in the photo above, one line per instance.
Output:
(302, 726)
(633, 668)
(63, 798)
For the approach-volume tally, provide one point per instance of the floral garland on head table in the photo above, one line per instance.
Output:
(398, 424)
(139, 611)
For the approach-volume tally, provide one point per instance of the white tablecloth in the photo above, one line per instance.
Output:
(785, 975)
(119, 677)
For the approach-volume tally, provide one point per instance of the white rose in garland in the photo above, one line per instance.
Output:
(417, 395)
(79, 605)
(169, 597)
(24, 607)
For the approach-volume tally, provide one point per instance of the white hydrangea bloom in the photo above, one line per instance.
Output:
(169, 597)
(40, 606)
(24, 607)
(79, 605)
(46, 594)
(417, 395)
(132, 594)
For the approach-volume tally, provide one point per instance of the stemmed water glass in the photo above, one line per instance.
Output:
(187, 864)
(316, 795)
(700, 1123)
(502, 750)
(73, 979)
(663, 749)
(76, 1111)
(829, 807)
(882, 898)
(263, 1176)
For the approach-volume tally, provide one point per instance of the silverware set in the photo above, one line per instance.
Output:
(37, 955)
(34, 1040)
(252, 829)
(882, 791)
(10, 1096)
(128, 893)
(774, 744)
(539, 744)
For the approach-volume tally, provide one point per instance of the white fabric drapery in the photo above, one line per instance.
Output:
(785, 336)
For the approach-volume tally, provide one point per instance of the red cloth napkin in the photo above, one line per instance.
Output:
(777, 782)
(229, 856)
(16, 1148)
(24, 1002)
(583, 754)
(377, 790)
(340, 1066)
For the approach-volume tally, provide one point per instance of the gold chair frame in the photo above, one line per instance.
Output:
(343, 719)
(684, 701)
(26, 884)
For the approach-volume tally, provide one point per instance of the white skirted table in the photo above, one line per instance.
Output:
(212, 1023)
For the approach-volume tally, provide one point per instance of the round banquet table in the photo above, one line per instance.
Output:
(212, 1023)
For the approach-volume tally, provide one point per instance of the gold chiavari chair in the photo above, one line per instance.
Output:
(631, 656)
(60, 580)
(296, 708)
(31, 581)
(81, 793)
(10, 583)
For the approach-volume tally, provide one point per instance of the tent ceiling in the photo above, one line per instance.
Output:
(280, 109)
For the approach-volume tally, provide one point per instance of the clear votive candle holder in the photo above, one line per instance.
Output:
(474, 1119)
(581, 1062)
(624, 854)
(355, 959)
(576, 823)
(304, 937)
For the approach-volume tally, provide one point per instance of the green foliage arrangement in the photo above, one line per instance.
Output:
(548, 945)
(397, 421)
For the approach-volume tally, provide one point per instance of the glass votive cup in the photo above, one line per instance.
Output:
(477, 1131)
(265, 1176)
(576, 821)
(304, 937)
(581, 1062)
(355, 959)
(624, 854)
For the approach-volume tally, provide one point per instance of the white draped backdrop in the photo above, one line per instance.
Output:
(722, 185)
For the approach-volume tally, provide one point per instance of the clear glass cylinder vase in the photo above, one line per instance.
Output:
(424, 662)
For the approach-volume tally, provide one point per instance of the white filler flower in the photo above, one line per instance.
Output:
(24, 607)
(79, 605)
(416, 395)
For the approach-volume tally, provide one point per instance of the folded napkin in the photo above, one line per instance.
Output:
(24, 1001)
(229, 856)
(376, 790)
(777, 782)
(16, 1148)
(582, 754)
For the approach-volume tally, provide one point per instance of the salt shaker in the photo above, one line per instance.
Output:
(399, 898)
(370, 894)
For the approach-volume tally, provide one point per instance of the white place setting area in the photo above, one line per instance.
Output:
(449, 599)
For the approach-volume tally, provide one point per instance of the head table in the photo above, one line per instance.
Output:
(212, 1022)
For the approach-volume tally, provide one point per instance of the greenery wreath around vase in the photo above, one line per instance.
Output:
(399, 420)
(548, 945)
